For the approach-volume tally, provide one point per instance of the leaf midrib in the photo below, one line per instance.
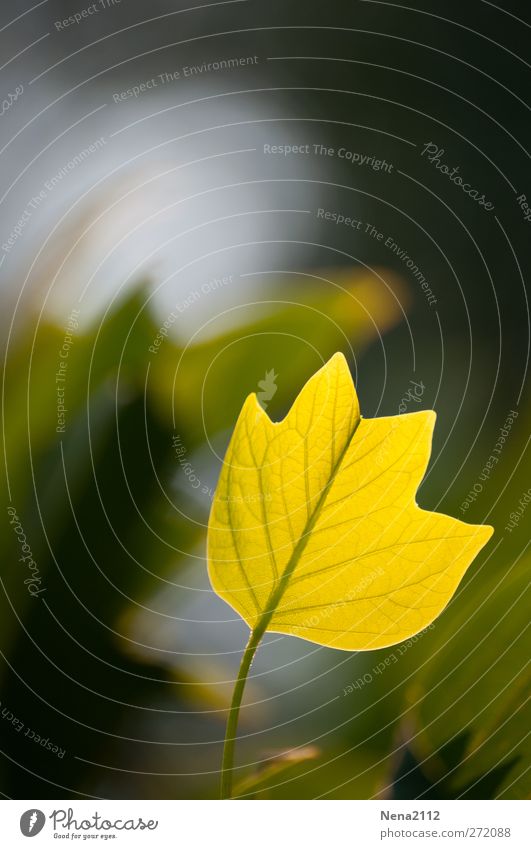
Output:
(278, 591)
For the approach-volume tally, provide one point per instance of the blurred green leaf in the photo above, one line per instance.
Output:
(476, 682)
(292, 335)
(275, 769)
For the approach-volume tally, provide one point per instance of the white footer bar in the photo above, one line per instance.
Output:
(265, 824)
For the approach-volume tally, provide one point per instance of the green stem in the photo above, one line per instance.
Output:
(227, 766)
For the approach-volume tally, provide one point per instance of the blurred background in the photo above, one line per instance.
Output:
(202, 201)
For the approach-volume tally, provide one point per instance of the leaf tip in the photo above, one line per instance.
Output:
(338, 361)
(488, 531)
(253, 408)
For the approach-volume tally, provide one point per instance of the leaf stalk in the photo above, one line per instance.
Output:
(227, 766)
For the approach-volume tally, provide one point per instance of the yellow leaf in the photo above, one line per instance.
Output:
(315, 531)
